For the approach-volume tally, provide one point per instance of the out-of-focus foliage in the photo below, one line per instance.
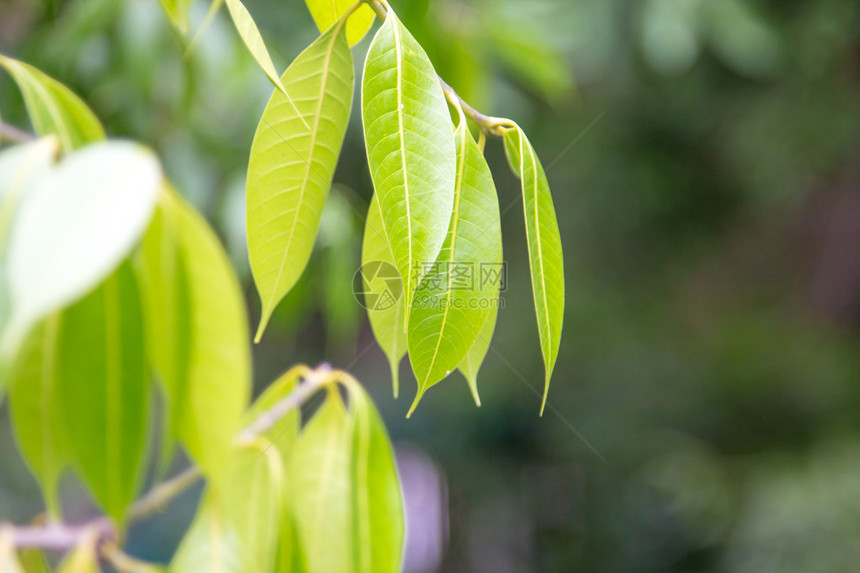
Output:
(708, 209)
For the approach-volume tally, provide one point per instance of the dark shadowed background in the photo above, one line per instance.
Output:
(704, 156)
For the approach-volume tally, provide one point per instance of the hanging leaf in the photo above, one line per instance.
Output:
(75, 227)
(282, 435)
(327, 12)
(452, 302)
(544, 242)
(103, 386)
(250, 34)
(236, 527)
(291, 168)
(343, 466)
(36, 409)
(383, 290)
(177, 11)
(471, 364)
(410, 148)
(211, 379)
(52, 107)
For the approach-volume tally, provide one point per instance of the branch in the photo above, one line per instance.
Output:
(62, 537)
(13, 134)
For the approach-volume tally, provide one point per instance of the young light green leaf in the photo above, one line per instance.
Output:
(544, 242)
(75, 227)
(35, 408)
(327, 12)
(211, 373)
(454, 299)
(380, 526)
(83, 558)
(103, 386)
(177, 11)
(475, 357)
(282, 435)
(384, 300)
(291, 169)
(250, 34)
(52, 107)
(236, 527)
(410, 148)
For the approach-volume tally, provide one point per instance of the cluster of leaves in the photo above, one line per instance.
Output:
(112, 282)
(434, 208)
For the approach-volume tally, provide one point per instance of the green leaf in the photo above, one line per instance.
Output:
(83, 558)
(410, 148)
(103, 386)
(250, 34)
(452, 302)
(282, 435)
(380, 525)
(386, 317)
(327, 12)
(177, 11)
(291, 168)
(36, 409)
(53, 108)
(471, 364)
(211, 370)
(75, 227)
(236, 527)
(544, 242)
(345, 491)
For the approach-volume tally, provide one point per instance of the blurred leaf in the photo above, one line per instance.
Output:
(670, 34)
(8, 560)
(236, 527)
(743, 39)
(53, 108)
(35, 408)
(544, 242)
(283, 433)
(410, 148)
(327, 12)
(291, 169)
(251, 36)
(452, 302)
(82, 559)
(33, 561)
(103, 386)
(177, 11)
(209, 389)
(75, 227)
(385, 309)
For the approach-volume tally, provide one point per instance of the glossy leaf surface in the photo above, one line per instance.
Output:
(291, 167)
(410, 148)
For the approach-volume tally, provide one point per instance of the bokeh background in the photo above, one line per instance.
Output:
(704, 156)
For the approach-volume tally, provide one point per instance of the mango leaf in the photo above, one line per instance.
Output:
(471, 364)
(207, 377)
(384, 300)
(250, 34)
(410, 148)
(83, 558)
(346, 495)
(282, 435)
(75, 227)
(36, 409)
(52, 107)
(544, 242)
(327, 12)
(103, 386)
(380, 525)
(291, 168)
(8, 560)
(177, 11)
(236, 527)
(453, 300)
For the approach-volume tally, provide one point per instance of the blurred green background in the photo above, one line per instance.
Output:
(704, 157)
